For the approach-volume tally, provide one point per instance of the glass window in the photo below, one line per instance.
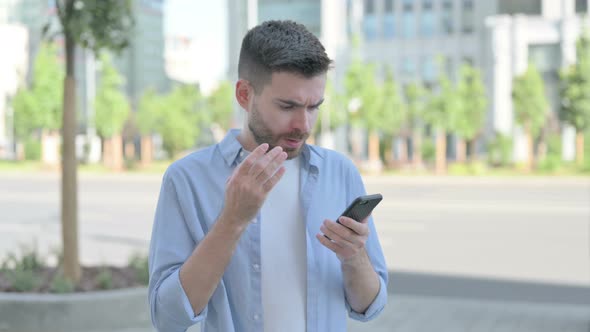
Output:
(408, 25)
(428, 69)
(408, 5)
(370, 27)
(427, 25)
(389, 26)
(369, 7)
(546, 57)
(581, 6)
(527, 7)
(447, 17)
(409, 66)
(426, 4)
(467, 16)
(389, 6)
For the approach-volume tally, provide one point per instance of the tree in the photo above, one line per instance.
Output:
(468, 119)
(220, 108)
(393, 113)
(415, 100)
(112, 109)
(40, 106)
(181, 119)
(95, 25)
(442, 104)
(575, 94)
(530, 106)
(332, 111)
(362, 89)
(149, 113)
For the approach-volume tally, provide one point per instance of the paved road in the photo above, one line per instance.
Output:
(508, 228)
(481, 254)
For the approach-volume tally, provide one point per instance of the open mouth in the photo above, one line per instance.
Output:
(293, 143)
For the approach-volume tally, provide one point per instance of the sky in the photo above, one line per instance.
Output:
(206, 22)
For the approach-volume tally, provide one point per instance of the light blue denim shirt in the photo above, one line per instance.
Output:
(192, 198)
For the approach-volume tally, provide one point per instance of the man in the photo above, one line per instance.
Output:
(238, 239)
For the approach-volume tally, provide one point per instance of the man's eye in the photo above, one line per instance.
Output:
(286, 107)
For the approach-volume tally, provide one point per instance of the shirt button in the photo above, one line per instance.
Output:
(256, 317)
(256, 267)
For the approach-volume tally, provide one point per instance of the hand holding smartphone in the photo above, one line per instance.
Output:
(362, 207)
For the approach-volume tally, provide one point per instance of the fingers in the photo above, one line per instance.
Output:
(357, 227)
(327, 243)
(268, 185)
(268, 165)
(247, 164)
(341, 234)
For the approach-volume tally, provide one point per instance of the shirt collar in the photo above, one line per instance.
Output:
(230, 149)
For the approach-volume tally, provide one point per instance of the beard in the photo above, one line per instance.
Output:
(263, 134)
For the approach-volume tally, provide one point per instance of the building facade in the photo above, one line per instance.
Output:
(417, 38)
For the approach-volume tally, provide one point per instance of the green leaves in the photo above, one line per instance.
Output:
(40, 105)
(178, 117)
(111, 105)
(374, 105)
(332, 110)
(575, 88)
(468, 119)
(220, 105)
(442, 104)
(392, 115)
(530, 103)
(97, 24)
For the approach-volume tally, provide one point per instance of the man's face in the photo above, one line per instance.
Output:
(286, 110)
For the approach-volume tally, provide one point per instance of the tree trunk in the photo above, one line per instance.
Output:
(130, 150)
(531, 149)
(441, 152)
(580, 147)
(113, 153)
(107, 152)
(374, 147)
(147, 154)
(403, 151)
(461, 150)
(417, 148)
(69, 195)
(389, 158)
(117, 141)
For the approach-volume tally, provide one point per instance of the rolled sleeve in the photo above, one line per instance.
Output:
(375, 308)
(170, 246)
(172, 299)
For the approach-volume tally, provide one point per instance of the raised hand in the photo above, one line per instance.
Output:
(249, 185)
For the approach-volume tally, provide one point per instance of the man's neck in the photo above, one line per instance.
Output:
(247, 140)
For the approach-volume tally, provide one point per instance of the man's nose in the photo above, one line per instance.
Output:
(301, 121)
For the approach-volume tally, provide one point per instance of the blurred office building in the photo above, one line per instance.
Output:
(14, 67)
(500, 37)
(141, 64)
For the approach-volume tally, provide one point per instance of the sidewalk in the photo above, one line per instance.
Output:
(412, 313)
(407, 313)
(423, 302)
(434, 303)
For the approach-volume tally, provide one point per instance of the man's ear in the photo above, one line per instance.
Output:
(244, 93)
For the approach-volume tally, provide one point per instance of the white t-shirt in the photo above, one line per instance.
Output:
(284, 255)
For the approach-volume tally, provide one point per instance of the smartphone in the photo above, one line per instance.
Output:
(362, 207)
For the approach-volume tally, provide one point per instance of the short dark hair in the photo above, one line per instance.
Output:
(280, 46)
